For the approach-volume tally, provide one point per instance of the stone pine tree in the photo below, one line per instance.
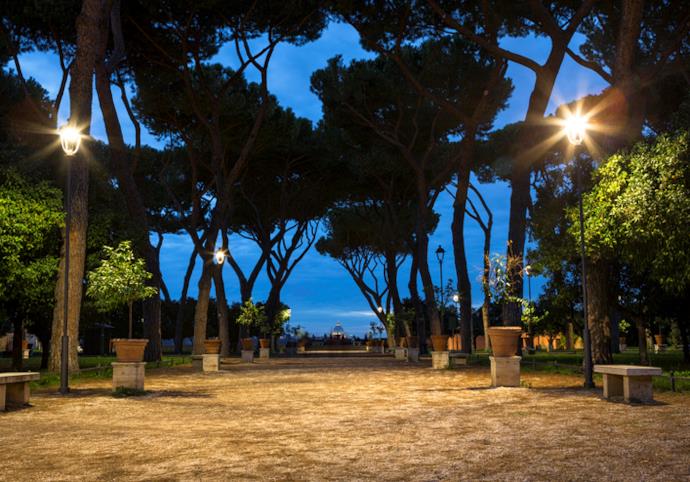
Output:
(121, 279)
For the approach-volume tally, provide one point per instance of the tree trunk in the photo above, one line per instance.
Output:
(423, 269)
(392, 275)
(683, 327)
(418, 308)
(222, 309)
(88, 26)
(597, 311)
(135, 206)
(129, 313)
(486, 287)
(45, 351)
(201, 311)
(464, 284)
(520, 177)
(179, 320)
(642, 340)
(17, 342)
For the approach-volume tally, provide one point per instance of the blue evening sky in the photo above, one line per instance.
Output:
(319, 291)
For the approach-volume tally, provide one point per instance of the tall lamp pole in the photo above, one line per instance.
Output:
(576, 128)
(440, 253)
(70, 140)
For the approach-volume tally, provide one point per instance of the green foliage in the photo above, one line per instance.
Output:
(252, 315)
(30, 217)
(623, 327)
(639, 209)
(120, 279)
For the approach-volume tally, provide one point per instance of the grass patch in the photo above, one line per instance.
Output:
(92, 368)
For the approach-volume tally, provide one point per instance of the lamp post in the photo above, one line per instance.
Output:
(440, 254)
(576, 129)
(70, 140)
(528, 273)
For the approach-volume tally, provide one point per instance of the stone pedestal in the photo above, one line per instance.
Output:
(400, 353)
(248, 356)
(440, 360)
(211, 363)
(198, 362)
(128, 375)
(264, 352)
(301, 349)
(505, 371)
(413, 355)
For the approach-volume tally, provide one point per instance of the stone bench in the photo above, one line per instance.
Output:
(456, 358)
(14, 388)
(632, 382)
(448, 359)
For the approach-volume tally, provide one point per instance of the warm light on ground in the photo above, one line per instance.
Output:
(345, 419)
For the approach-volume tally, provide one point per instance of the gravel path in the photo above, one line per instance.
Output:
(344, 419)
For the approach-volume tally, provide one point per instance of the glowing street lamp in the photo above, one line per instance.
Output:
(70, 140)
(219, 256)
(576, 130)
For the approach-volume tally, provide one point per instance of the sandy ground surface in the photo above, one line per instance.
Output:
(344, 419)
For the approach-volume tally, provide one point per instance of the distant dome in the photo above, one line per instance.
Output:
(338, 330)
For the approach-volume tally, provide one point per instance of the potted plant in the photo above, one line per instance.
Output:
(251, 315)
(120, 279)
(212, 346)
(623, 327)
(504, 339)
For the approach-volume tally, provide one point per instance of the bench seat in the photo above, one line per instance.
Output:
(14, 388)
(632, 382)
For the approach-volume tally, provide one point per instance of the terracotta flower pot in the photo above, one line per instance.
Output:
(504, 339)
(659, 339)
(265, 342)
(129, 350)
(412, 342)
(247, 344)
(439, 342)
(212, 346)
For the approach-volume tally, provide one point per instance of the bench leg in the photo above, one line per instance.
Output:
(637, 389)
(613, 386)
(18, 393)
(3, 391)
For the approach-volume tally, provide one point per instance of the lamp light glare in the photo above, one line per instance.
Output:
(575, 129)
(456, 298)
(70, 139)
(219, 256)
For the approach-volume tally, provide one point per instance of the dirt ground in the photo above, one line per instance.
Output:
(344, 419)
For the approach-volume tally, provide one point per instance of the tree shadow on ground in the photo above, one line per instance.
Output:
(108, 393)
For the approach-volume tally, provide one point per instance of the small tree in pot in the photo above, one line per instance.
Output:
(119, 280)
(504, 339)
(251, 315)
